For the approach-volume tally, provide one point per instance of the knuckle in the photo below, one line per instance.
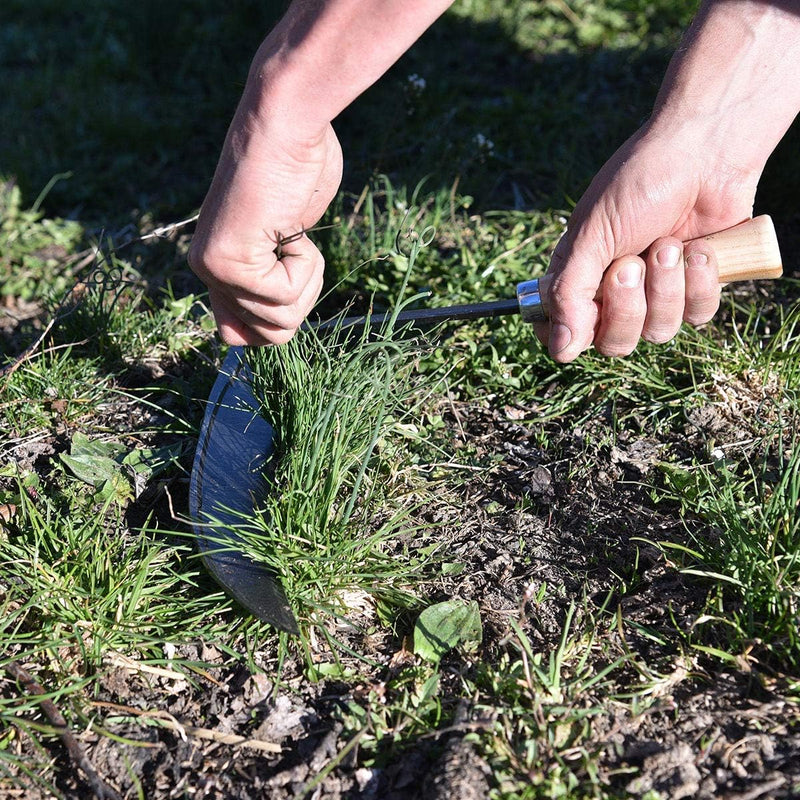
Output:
(206, 262)
(701, 310)
(555, 295)
(195, 257)
(563, 301)
(629, 317)
(665, 294)
(294, 321)
(283, 295)
(279, 337)
(615, 349)
(697, 318)
(291, 318)
(660, 335)
(229, 337)
(236, 264)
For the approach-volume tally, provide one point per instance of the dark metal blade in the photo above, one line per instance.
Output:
(228, 482)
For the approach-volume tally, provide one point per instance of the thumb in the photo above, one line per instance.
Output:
(575, 273)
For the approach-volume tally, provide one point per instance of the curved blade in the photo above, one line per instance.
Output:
(228, 481)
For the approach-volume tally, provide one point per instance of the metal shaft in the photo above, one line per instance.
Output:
(527, 303)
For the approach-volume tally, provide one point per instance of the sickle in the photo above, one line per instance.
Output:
(230, 472)
(229, 481)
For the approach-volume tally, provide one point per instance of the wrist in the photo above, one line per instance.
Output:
(273, 103)
(321, 56)
(717, 143)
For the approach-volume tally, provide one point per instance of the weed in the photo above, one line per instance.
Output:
(751, 557)
(549, 701)
(33, 247)
(333, 399)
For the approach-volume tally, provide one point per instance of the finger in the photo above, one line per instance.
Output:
(232, 330)
(300, 264)
(262, 275)
(256, 311)
(266, 306)
(664, 289)
(702, 282)
(255, 323)
(624, 307)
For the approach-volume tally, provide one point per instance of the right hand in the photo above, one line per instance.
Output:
(268, 186)
(627, 232)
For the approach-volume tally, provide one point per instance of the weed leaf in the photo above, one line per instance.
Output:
(447, 625)
(92, 461)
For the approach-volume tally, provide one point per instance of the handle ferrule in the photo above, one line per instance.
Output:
(531, 302)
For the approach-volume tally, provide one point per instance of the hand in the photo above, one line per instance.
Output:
(659, 190)
(268, 186)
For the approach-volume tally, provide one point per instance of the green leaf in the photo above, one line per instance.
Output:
(446, 625)
(92, 461)
(93, 470)
(116, 488)
(152, 461)
(329, 671)
(426, 692)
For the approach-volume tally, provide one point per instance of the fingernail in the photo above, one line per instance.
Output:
(697, 260)
(668, 256)
(560, 338)
(629, 275)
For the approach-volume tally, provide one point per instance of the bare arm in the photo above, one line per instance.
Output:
(281, 163)
(324, 53)
(729, 95)
(737, 72)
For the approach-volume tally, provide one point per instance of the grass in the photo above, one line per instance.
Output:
(547, 732)
(752, 558)
(98, 589)
(36, 244)
(335, 398)
(388, 446)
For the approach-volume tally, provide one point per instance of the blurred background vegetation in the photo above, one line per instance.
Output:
(519, 102)
(134, 99)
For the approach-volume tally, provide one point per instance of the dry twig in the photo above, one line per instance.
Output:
(100, 789)
(184, 731)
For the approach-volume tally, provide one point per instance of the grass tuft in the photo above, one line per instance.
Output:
(751, 557)
(336, 525)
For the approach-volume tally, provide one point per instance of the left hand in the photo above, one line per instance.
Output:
(269, 185)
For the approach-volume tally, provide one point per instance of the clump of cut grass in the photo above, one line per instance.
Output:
(329, 528)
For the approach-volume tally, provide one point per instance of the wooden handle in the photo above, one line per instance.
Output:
(748, 251)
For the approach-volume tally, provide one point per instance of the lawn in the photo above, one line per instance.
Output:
(513, 579)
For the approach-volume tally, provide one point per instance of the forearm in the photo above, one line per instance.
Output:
(324, 53)
(735, 80)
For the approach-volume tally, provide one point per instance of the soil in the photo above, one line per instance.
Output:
(581, 509)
